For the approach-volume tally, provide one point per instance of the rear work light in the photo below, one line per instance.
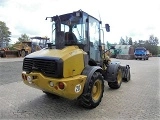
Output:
(51, 84)
(29, 79)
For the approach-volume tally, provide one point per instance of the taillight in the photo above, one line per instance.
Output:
(61, 85)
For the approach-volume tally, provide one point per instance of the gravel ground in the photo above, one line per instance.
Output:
(139, 99)
(10, 72)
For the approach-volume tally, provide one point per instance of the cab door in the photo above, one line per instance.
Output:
(94, 37)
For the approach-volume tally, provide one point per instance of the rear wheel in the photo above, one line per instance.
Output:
(118, 82)
(93, 96)
(127, 75)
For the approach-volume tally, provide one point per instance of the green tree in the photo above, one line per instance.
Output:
(122, 41)
(153, 44)
(24, 38)
(153, 40)
(158, 49)
(127, 40)
(135, 43)
(130, 41)
(4, 33)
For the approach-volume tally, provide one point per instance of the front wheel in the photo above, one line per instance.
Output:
(92, 97)
(147, 58)
(118, 81)
(23, 53)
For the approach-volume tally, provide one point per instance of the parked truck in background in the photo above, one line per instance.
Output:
(36, 44)
(141, 53)
(24, 48)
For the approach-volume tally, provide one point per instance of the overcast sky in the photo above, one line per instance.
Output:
(133, 18)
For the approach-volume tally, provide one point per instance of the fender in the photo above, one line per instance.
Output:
(111, 72)
(88, 71)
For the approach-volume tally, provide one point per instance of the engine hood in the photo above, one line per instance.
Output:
(56, 63)
(57, 53)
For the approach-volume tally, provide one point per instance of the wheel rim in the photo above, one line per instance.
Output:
(96, 90)
(23, 53)
(119, 77)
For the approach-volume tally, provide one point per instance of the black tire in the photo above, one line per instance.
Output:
(128, 76)
(26, 53)
(51, 95)
(118, 81)
(93, 96)
(3, 55)
(23, 53)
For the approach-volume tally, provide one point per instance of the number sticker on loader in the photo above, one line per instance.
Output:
(77, 88)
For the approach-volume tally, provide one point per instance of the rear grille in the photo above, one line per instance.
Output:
(46, 67)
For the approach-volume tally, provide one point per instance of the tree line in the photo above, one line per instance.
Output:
(5, 35)
(151, 44)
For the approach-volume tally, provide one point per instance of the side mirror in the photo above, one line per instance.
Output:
(107, 27)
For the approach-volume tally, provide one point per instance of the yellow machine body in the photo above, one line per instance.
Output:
(73, 65)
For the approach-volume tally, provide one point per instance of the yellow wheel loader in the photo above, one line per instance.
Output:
(73, 66)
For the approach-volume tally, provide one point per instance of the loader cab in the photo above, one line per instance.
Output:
(40, 41)
(78, 29)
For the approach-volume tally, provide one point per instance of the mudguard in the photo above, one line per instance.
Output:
(88, 71)
(112, 71)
